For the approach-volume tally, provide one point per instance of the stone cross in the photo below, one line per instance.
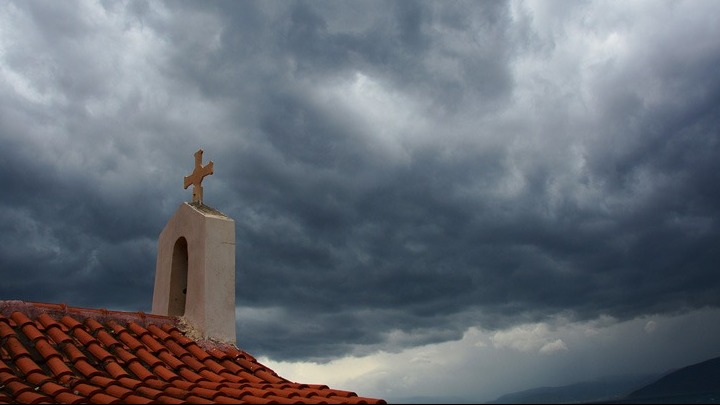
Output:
(197, 176)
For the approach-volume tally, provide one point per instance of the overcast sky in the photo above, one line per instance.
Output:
(449, 199)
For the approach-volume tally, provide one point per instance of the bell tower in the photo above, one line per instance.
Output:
(195, 270)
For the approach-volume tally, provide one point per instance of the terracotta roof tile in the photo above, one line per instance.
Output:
(196, 351)
(159, 333)
(130, 382)
(138, 330)
(32, 332)
(20, 319)
(213, 385)
(220, 399)
(7, 377)
(82, 335)
(125, 337)
(57, 335)
(140, 371)
(249, 365)
(232, 367)
(212, 376)
(100, 354)
(190, 375)
(193, 363)
(283, 392)
(101, 398)
(57, 354)
(45, 349)
(249, 399)
(103, 382)
(52, 389)
(85, 390)
(73, 353)
(93, 325)
(149, 392)
(148, 358)
(176, 392)
(118, 391)
(233, 392)
(157, 384)
(27, 365)
(107, 340)
(269, 377)
(164, 399)
(47, 321)
(115, 370)
(176, 349)
(16, 387)
(71, 322)
(15, 347)
(219, 355)
(33, 398)
(213, 366)
(205, 392)
(164, 373)
(37, 378)
(252, 378)
(134, 399)
(233, 378)
(153, 345)
(181, 339)
(170, 360)
(58, 367)
(86, 369)
(194, 399)
(69, 398)
(317, 400)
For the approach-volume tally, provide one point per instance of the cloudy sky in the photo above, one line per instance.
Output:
(447, 199)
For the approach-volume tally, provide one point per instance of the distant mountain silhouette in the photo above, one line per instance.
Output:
(695, 384)
(605, 389)
(698, 383)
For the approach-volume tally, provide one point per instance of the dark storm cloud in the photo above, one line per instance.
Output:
(394, 169)
(72, 174)
(270, 45)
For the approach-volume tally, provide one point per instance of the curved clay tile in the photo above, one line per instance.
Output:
(58, 354)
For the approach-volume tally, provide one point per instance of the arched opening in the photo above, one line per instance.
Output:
(178, 278)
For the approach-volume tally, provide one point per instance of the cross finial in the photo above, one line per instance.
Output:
(197, 176)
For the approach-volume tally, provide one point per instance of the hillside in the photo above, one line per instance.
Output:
(605, 389)
(698, 383)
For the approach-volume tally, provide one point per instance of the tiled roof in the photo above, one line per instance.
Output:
(57, 354)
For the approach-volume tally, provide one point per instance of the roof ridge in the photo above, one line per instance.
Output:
(34, 309)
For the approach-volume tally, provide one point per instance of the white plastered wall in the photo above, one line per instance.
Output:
(210, 299)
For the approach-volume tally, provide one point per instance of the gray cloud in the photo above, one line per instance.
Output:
(420, 167)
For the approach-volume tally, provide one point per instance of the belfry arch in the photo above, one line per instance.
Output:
(178, 278)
